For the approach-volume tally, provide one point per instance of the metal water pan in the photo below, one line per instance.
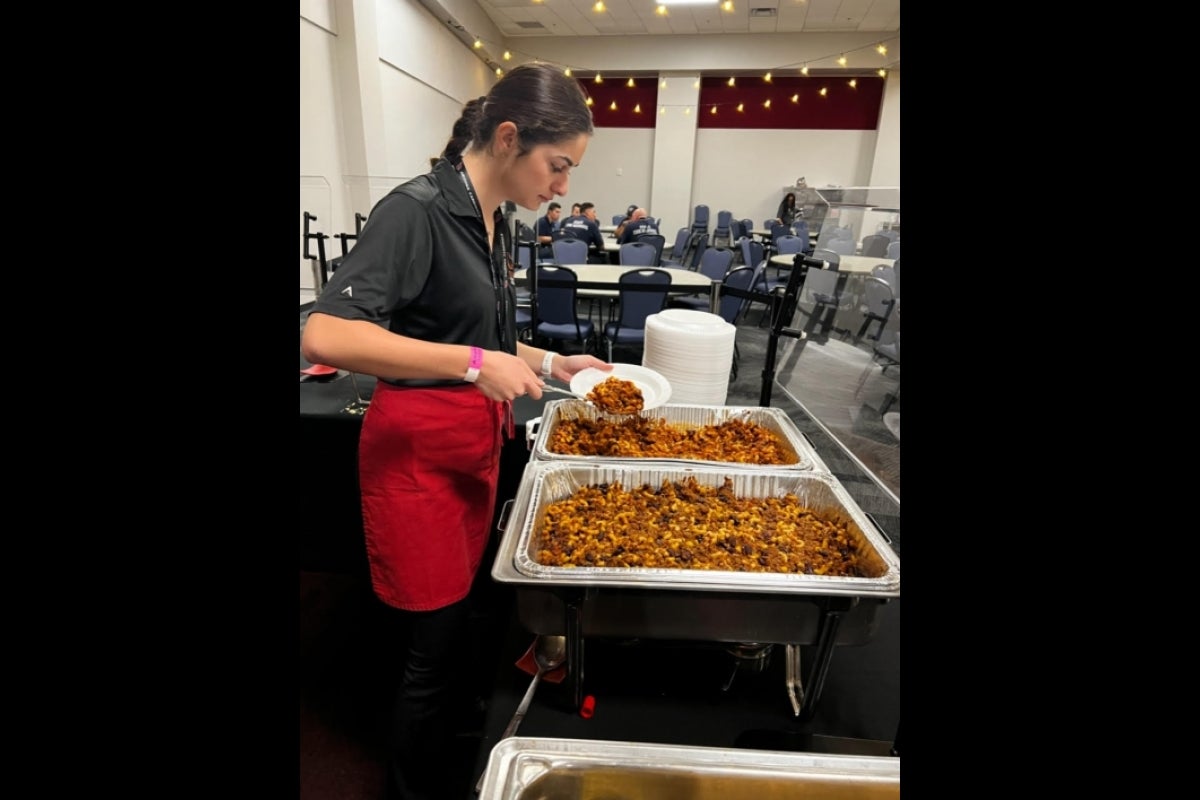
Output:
(774, 420)
(680, 604)
(580, 769)
(543, 484)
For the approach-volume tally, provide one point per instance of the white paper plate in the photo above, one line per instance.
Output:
(656, 390)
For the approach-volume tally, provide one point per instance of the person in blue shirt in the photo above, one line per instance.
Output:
(585, 228)
(638, 224)
(546, 227)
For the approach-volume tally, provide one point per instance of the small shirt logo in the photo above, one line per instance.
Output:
(348, 292)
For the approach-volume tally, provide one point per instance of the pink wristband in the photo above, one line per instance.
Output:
(474, 365)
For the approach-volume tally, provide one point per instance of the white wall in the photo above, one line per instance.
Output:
(352, 151)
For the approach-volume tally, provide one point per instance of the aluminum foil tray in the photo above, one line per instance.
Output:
(581, 769)
(547, 482)
(773, 419)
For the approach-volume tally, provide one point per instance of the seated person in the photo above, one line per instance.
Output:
(625, 221)
(638, 224)
(586, 229)
(546, 227)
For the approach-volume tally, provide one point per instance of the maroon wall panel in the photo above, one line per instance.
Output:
(843, 107)
(610, 90)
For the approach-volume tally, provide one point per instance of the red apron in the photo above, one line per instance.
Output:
(428, 464)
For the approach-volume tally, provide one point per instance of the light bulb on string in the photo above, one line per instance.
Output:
(629, 83)
(767, 104)
(823, 91)
(507, 56)
(853, 83)
(767, 77)
(728, 5)
(663, 85)
(661, 11)
(612, 106)
(637, 109)
(590, 101)
(714, 109)
(804, 70)
(795, 98)
(841, 60)
(741, 106)
(882, 49)
(598, 79)
(499, 72)
(599, 7)
(567, 72)
(731, 80)
(883, 73)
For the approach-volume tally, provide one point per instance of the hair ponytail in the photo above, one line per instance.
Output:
(464, 129)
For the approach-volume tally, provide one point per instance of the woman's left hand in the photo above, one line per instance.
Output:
(565, 367)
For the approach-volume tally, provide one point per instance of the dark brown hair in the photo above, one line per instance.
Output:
(544, 104)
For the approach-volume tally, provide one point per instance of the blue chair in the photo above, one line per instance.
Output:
(570, 251)
(731, 308)
(877, 304)
(681, 240)
(557, 318)
(893, 250)
(821, 289)
(655, 240)
(747, 226)
(637, 254)
(789, 245)
(617, 219)
(629, 328)
(722, 234)
(700, 220)
(843, 247)
(714, 265)
(801, 229)
(830, 257)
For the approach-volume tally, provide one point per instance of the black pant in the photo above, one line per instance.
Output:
(424, 713)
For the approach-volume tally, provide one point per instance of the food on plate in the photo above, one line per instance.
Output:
(684, 525)
(617, 396)
(637, 437)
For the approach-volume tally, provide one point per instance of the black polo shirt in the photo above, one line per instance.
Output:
(636, 229)
(421, 267)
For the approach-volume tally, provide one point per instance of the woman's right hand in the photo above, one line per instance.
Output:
(504, 376)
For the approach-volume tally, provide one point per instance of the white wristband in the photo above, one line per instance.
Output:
(548, 363)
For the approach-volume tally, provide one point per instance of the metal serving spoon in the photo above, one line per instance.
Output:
(549, 652)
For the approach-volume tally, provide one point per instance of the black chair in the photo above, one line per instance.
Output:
(875, 246)
(629, 328)
(557, 317)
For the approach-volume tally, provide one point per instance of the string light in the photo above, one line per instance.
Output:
(728, 6)
(507, 56)
(714, 109)
(767, 104)
(567, 72)
(823, 91)
(612, 106)
(804, 70)
(731, 80)
(478, 44)
(696, 85)
(795, 98)
(637, 109)
(599, 7)
(663, 85)
(853, 83)
(883, 73)
(741, 107)
(767, 77)
(630, 83)
(842, 60)
(590, 101)
(882, 49)
(662, 109)
(661, 11)
(598, 78)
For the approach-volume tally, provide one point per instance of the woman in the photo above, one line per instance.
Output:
(787, 209)
(424, 302)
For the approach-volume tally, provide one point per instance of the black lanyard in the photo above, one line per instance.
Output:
(499, 272)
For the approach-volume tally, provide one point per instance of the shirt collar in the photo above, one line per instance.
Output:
(452, 188)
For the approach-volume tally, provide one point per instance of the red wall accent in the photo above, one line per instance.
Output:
(644, 91)
(843, 108)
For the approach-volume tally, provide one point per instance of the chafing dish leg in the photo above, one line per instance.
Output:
(832, 610)
(795, 687)
(573, 603)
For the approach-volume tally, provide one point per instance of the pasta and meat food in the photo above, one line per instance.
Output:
(684, 525)
(617, 396)
(638, 437)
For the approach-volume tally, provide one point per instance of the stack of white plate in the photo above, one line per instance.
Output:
(694, 351)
